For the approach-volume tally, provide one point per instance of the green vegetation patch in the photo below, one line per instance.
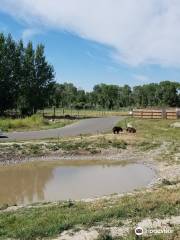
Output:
(153, 129)
(152, 134)
(35, 122)
(145, 145)
(93, 146)
(48, 221)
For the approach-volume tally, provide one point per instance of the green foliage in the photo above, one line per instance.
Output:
(35, 122)
(163, 94)
(26, 78)
(115, 97)
(8, 78)
(28, 122)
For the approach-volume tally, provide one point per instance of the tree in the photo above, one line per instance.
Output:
(26, 78)
(27, 91)
(125, 96)
(8, 80)
(4, 91)
(19, 73)
(168, 93)
(111, 97)
(44, 79)
(37, 83)
(58, 95)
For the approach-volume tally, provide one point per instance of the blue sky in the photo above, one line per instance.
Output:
(87, 57)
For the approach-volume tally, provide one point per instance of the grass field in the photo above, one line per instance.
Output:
(35, 122)
(153, 129)
(155, 133)
(51, 220)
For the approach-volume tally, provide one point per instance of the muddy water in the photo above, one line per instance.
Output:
(30, 183)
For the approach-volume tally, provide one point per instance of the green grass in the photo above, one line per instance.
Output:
(35, 122)
(146, 145)
(152, 129)
(151, 134)
(48, 221)
(158, 130)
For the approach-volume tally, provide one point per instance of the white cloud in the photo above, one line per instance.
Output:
(141, 78)
(29, 33)
(140, 31)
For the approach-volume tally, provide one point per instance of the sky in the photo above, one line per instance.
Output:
(89, 42)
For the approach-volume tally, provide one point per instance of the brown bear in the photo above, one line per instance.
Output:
(131, 130)
(117, 130)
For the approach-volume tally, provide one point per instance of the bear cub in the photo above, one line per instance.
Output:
(117, 130)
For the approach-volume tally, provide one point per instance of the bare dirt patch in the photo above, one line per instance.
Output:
(148, 225)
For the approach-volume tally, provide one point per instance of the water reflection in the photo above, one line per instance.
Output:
(23, 184)
(50, 182)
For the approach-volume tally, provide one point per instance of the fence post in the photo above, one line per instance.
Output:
(164, 113)
(177, 113)
(54, 115)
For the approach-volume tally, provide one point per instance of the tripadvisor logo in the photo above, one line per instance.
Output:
(139, 231)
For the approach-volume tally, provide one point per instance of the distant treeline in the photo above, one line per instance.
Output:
(111, 97)
(27, 84)
(26, 78)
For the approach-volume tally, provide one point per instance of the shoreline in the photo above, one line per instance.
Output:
(112, 156)
(155, 182)
(79, 160)
(107, 156)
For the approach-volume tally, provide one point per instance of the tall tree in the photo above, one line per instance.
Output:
(26, 98)
(19, 72)
(168, 93)
(8, 84)
(44, 79)
(26, 78)
(4, 91)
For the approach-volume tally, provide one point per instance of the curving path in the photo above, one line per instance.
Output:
(87, 126)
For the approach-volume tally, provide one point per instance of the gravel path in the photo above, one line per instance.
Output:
(87, 126)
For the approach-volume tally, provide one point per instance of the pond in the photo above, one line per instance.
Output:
(38, 182)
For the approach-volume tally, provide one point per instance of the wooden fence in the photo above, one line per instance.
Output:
(173, 113)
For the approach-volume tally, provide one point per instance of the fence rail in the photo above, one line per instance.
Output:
(78, 114)
(157, 114)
